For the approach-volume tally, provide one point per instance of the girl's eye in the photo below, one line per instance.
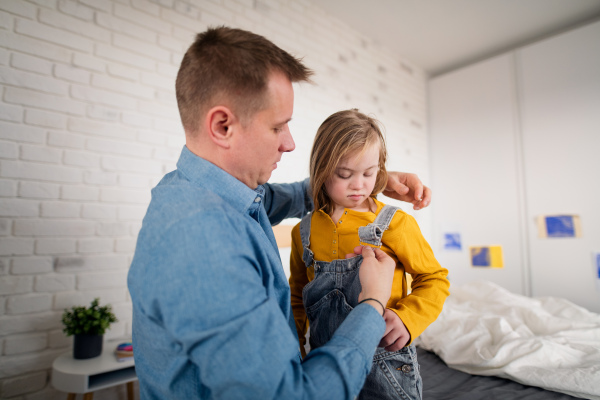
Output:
(369, 174)
(343, 176)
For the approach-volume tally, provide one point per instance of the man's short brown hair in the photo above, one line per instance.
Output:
(230, 67)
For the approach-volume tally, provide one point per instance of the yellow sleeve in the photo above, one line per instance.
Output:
(298, 279)
(430, 287)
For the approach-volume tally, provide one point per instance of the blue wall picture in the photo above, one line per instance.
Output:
(452, 241)
(480, 256)
(560, 226)
(596, 262)
(487, 256)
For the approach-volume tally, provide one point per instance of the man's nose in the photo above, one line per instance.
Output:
(287, 141)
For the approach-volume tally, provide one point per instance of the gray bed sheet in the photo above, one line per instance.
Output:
(441, 382)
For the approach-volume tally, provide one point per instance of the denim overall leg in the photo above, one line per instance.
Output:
(330, 297)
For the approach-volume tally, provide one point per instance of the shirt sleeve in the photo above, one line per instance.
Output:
(287, 200)
(429, 287)
(207, 310)
(298, 279)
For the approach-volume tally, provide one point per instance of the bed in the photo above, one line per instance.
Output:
(441, 382)
(489, 343)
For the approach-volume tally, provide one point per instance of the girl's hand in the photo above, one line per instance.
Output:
(396, 335)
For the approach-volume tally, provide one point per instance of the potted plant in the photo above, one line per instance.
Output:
(88, 326)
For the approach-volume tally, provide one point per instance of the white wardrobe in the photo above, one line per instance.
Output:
(515, 137)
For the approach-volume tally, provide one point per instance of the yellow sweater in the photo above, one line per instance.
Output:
(402, 241)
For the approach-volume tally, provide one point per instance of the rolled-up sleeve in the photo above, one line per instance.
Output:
(287, 200)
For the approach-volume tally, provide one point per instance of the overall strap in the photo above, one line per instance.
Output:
(307, 255)
(372, 233)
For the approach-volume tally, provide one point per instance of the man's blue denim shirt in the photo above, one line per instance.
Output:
(211, 304)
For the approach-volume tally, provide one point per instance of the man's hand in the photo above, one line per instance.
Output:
(396, 335)
(376, 274)
(407, 187)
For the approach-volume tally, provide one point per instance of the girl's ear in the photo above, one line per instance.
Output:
(221, 121)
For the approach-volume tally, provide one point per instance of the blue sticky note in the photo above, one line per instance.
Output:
(598, 264)
(452, 241)
(560, 226)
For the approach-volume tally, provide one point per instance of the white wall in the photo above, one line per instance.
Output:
(515, 137)
(559, 81)
(474, 169)
(88, 124)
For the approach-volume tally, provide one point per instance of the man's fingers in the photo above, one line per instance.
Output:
(425, 200)
(367, 251)
(357, 251)
(426, 196)
(379, 254)
(397, 186)
(419, 192)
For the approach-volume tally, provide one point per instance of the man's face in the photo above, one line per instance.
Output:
(260, 144)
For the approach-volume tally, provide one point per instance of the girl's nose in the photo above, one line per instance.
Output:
(356, 182)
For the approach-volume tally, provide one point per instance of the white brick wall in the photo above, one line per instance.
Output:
(89, 123)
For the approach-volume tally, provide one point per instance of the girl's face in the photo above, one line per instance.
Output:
(353, 180)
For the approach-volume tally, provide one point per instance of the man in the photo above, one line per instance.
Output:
(211, 304)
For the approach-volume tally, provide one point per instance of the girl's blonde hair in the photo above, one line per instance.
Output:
(341, 134)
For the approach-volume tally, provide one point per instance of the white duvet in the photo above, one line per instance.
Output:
(545, 342)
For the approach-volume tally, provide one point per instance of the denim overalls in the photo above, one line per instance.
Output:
(330, 297)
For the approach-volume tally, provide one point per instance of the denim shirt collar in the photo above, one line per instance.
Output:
(204, 173)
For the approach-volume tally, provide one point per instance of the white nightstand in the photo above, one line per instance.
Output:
(86, 376)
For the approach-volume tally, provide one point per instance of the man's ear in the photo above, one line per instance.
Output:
(220, 122)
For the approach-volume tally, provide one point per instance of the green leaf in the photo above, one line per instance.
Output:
(93, 320)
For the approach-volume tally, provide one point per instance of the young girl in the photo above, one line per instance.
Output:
(347, 171)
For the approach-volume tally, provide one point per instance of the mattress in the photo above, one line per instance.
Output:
(441, 382)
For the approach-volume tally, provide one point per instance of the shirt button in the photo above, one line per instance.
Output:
(256, 200)
(345, 212)
(334, 252)
(340, 221)
(334, 242)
